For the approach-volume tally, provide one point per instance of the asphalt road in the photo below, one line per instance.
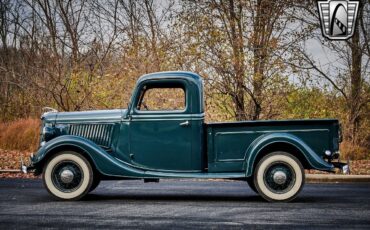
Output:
(186, 204)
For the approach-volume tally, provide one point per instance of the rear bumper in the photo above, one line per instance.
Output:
(344, 167)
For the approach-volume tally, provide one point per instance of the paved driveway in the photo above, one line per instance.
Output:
(187, 204)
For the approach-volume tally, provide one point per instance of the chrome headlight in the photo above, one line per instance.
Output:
(47, 133)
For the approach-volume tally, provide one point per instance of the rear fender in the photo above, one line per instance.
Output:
(265, 140)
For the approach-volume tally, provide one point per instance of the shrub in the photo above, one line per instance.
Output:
(353, 152)
(22, 135)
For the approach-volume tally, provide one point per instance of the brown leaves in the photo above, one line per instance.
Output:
(10, 159)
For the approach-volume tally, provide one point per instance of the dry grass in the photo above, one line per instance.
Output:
(353, 152)
(22, 135)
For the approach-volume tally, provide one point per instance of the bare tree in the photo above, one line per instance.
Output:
(240, 41)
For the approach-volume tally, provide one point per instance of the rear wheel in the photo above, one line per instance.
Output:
(279, 176)
(68, 176)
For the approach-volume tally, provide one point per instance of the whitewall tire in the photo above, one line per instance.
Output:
(279, 176)
(68, 176)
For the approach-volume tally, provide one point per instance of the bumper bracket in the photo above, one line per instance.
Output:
(344, 167)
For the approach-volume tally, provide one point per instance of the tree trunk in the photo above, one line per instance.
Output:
(153, 39)
(260, 42)
(356, 84)
(238, 59)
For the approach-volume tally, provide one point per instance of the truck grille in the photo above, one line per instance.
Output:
(99, 133)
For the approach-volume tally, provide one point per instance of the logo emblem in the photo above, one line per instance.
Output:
(338, 18)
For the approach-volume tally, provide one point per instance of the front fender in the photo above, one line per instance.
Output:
(265, 140)
(103, 161)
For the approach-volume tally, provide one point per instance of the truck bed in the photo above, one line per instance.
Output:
(228, 142)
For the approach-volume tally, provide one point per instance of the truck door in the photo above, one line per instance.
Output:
(160, 126)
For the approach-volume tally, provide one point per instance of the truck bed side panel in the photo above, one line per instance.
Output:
(228, 142)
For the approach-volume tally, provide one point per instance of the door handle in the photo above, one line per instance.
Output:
(185, 123)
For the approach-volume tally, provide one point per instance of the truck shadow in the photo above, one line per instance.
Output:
(172, 197)
(175, 198)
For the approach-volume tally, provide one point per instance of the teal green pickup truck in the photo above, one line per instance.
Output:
(162, 134)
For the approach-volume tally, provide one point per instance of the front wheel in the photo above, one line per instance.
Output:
(279, 176)
(68, 176)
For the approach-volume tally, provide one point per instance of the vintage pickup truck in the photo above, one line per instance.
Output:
(170, 139)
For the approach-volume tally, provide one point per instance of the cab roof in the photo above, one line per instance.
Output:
(194, 86)
(172, 74)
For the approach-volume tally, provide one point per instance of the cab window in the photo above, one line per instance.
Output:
(162, 99)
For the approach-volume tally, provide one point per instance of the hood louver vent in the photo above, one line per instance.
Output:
(99, 133)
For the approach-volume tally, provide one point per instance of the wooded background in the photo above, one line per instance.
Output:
(261, 59)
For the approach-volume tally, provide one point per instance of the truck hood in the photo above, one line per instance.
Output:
(85, 116)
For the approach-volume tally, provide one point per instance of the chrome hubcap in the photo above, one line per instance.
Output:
(279, 177)
(66, 176)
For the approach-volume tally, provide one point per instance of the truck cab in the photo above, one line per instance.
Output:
(165, 123)
(163, 134)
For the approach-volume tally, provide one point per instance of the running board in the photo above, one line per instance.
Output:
(198, 175)
(151, 180)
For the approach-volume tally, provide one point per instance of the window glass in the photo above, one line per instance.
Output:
(163, 99)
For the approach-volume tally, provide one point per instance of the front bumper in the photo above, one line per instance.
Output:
(25, 168)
